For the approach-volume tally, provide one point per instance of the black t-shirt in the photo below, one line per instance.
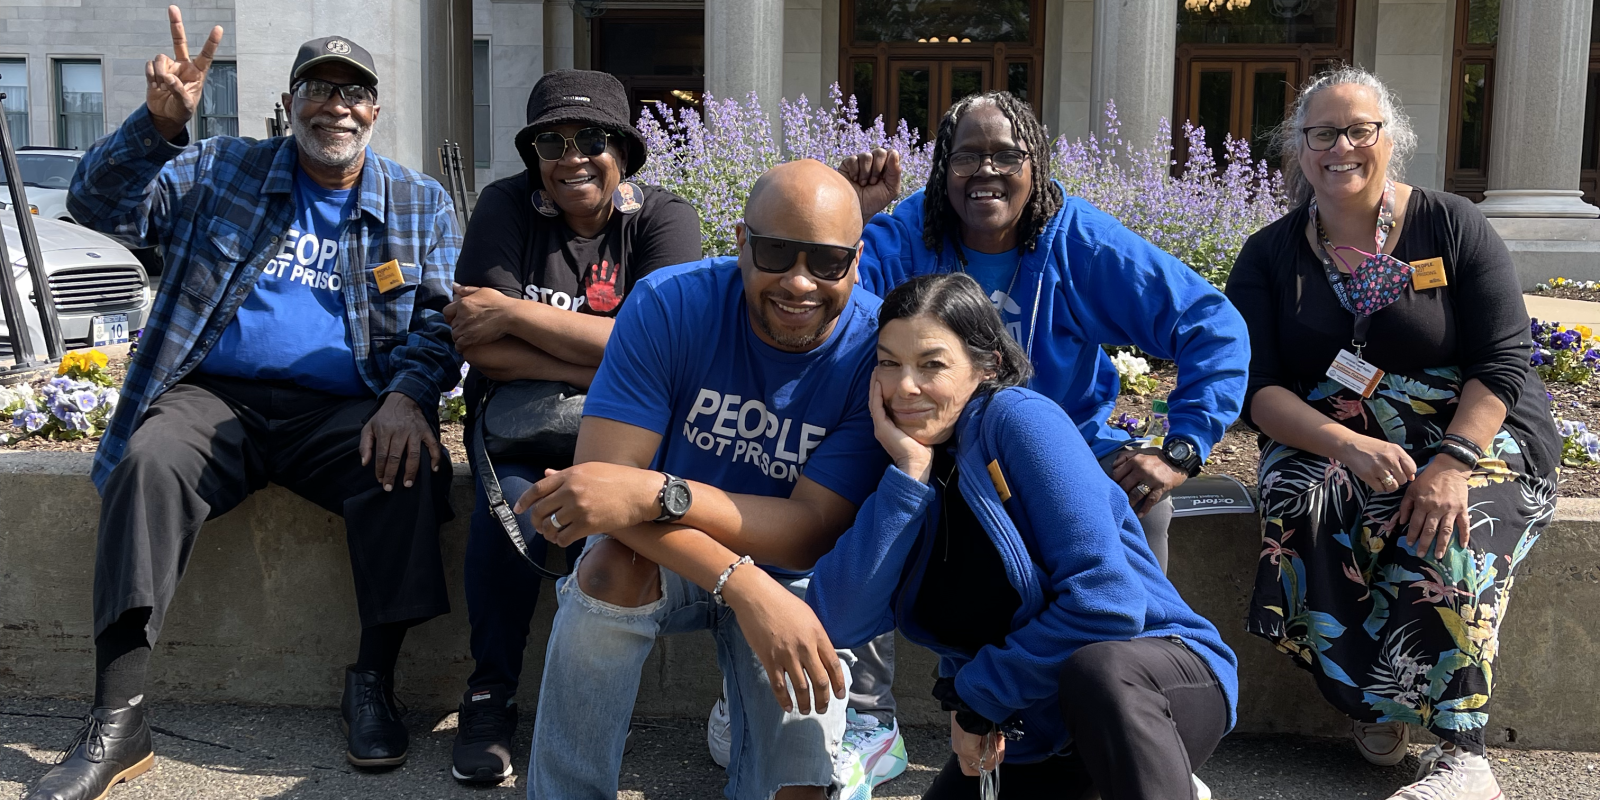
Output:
(966, 600)
(1476, 322)
(514, 249)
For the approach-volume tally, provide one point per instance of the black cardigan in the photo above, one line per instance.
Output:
(1477, 322)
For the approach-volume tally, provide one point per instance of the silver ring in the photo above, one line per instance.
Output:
(1144, 490)
(554, 523)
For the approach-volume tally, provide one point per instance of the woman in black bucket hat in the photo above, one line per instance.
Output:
(549, 256)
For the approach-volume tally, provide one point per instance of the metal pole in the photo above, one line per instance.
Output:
(49, 324)
(16, 320)
(461, 178)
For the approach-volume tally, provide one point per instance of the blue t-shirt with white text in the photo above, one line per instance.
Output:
(292, 325)
(733, 411)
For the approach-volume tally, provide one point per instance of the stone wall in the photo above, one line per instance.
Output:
(266, 615)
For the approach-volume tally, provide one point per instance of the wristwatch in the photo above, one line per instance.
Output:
(674, 499)
(1182, 455)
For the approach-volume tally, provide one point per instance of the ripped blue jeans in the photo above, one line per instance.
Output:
(591, 679)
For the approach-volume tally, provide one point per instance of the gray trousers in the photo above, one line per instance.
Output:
(1155, 523)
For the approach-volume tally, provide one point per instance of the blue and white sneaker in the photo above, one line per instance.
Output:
(871, 754)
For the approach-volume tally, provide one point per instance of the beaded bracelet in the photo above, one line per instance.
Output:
(716, 593)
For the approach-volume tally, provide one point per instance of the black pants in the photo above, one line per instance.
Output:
(1143, 715)
(209, 442)
(502, 588)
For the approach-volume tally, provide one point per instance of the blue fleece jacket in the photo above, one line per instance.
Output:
(1090, 282)
(1071, 546)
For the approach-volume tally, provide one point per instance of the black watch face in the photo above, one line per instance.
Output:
(1180, 450)
(675, 500)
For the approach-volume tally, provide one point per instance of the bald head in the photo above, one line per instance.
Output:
(806, 200)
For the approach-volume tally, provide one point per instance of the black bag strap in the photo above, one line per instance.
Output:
(498, 507)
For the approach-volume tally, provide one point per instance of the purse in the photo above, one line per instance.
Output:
(524, 420)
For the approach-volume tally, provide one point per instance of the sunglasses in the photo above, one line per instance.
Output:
(827, 262)
(1323, 137)
(1006, 162)
(355, 95)
(590, 142)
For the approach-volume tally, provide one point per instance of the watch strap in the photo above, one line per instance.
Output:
(661, 499)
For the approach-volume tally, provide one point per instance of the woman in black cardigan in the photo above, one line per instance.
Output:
(1408, 456)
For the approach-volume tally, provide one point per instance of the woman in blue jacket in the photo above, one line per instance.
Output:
(1067, 278)
(1067, 659)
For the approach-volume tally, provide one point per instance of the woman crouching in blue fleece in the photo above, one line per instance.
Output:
(1068, 660)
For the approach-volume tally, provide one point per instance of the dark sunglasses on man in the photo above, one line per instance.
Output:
(315, 91)
(827, 262)
(589, 142)
(1006, 162)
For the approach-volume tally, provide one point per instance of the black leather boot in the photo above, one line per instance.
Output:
(371, 720)
(112, 747)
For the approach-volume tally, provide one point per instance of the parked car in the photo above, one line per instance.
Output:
(102, 293)
(46, 175)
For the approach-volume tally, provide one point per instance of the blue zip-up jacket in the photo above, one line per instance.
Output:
(1091, 281)
(1071, 546)
(219, 208)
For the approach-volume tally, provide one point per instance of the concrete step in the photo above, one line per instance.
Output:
(208, 752)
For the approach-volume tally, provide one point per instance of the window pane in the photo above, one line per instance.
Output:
(1268, 98)
(863, 86)
(1483, 21)
(656, 47)
(913, 100)
(1591, 134)
(1474, 85)
(219, 102)
(14, 82)
(944, 20)
(1017, 80)
(80, 99)
(1216, 110)
(965, 81)
(482, 124)
(1260, 22)
(45, 171)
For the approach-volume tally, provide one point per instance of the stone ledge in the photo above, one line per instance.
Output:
(266, 615)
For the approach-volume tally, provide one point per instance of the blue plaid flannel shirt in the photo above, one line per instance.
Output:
(219, 209)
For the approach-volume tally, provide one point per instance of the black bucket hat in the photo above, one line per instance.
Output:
(580, 96)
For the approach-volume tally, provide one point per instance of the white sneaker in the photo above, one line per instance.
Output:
(1381, 743)
(1452, 775)
(870, 754)
(719, 733)
(1201, 790)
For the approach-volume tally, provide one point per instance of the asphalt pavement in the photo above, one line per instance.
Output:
(210, 752)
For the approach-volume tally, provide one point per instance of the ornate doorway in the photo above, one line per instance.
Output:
(911, 59)
(1241, 62)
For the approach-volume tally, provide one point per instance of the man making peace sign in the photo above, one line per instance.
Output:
(297, 338)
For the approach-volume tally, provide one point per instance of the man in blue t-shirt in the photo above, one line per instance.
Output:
(728, 441)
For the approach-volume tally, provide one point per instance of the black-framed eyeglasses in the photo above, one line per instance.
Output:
(1006, 162)
(317, 91)
(827, 262)
(1324, 137)
(589, 142)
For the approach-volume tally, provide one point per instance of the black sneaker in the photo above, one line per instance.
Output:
(370, 716)
(112, 747)
(486, 725)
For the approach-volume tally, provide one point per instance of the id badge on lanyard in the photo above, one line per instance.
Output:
(1352, 371)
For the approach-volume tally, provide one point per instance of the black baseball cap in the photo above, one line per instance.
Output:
(337, 49)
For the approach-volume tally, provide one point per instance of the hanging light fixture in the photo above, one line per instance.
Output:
(1215, 6)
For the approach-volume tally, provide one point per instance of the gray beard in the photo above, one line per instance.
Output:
(329, 155)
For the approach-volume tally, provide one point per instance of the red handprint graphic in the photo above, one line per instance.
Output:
(602, 286)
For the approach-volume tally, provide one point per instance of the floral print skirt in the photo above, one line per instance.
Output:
(1390, 634)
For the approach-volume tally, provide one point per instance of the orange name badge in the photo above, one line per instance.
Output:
(388, 276)
(1428, 274)
(999, 481)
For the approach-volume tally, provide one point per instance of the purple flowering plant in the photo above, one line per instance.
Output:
(1562, 354)
(452, 404)
(74, 404)
(1202, 214)
(1579, 446)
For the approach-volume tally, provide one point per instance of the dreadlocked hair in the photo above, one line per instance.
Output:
(939, 220)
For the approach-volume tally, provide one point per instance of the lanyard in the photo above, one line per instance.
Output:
(1385, 224)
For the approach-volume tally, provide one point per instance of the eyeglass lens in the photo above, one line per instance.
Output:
(551, 146)
(1361, 134)
(826, 262)
(1006, 162)
(354, 94)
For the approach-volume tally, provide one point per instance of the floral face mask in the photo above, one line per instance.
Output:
(1380, 278)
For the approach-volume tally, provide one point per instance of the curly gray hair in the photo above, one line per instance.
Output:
(1288, 140)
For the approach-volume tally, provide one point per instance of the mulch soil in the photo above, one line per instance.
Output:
(1235, 455)
(1569, 292)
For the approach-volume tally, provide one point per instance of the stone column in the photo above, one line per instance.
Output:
(516, 62)
(1135, 50)
(1540, 70)
(744, 50)
(557, 35)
